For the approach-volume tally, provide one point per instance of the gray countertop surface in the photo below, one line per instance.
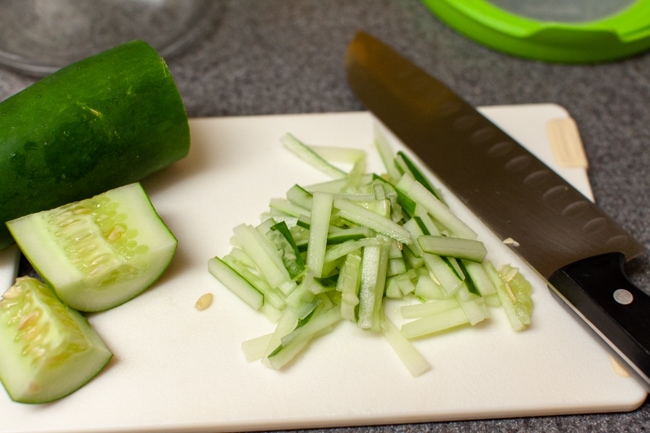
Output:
(286, 56)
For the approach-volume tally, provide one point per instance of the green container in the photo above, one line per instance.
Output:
(617, 35)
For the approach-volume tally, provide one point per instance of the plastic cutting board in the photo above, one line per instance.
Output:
(178, 369)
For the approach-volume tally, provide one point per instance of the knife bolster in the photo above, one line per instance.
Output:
(598, 290)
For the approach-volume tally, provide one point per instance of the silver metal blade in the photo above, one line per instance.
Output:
(512, 191)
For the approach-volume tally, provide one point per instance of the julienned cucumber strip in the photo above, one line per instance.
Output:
(335, 251)
(321, 212)
(356, 214)
(236, 283)
(386, 153)
(410, 356)
(371, 288)
(304, 152)
(291, 257)
(437, 209)
(469, 249)
(409, 166)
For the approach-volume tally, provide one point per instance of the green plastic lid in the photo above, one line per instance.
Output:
(555, 30)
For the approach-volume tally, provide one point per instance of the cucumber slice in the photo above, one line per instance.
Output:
(48, 350)
(99, 252)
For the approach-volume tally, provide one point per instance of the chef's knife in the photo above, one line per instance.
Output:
(569, 241)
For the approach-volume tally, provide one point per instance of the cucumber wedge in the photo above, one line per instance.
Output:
(99, 252)
(48, 350)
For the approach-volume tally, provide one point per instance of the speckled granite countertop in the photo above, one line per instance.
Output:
(286, 56)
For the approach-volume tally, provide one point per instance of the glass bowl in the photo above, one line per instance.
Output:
(40, 36)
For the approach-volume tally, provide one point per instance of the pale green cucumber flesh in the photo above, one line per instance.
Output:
(100, 252)
(48, 350)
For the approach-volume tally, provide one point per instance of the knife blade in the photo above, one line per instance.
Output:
(579, 250)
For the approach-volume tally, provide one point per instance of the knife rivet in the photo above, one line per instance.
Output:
(623, 297)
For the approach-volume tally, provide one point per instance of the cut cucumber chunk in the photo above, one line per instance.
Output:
(48, 350)
(99, 252)
(103, 122)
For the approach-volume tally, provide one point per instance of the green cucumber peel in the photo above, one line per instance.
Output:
(410, 167)
(291, 256)
(103, 122)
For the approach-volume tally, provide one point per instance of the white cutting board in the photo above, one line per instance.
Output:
(179, 369)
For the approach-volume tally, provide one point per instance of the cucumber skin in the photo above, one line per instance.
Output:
(100, 123)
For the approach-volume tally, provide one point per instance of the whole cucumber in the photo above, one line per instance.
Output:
(103, 122)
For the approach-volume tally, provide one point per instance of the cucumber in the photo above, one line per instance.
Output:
(103, 122)
(48, 350)
(99, 252)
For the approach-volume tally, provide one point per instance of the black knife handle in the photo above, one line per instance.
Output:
(599, 290)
